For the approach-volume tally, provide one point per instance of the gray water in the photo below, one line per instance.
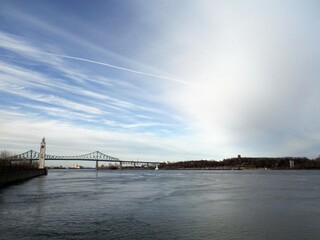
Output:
(89, 204)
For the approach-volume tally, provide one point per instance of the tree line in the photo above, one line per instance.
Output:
(242, 163)
(7, 164)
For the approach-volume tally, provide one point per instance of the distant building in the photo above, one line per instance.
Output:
(74, 165)
(291, 164)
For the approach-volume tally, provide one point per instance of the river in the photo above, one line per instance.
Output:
(90, 204)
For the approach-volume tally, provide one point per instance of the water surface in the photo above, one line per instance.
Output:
(90, 204)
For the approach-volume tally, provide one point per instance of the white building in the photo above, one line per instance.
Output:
(75, 165)
(291, 164)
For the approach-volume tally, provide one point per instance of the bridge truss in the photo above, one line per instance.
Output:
(94, 156)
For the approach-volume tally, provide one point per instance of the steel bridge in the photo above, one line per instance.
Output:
(96, 156)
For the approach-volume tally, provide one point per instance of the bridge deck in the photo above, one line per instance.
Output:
(93, 157)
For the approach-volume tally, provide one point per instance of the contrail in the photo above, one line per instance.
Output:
(121, 68)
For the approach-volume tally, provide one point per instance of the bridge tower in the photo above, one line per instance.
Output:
(42, 153)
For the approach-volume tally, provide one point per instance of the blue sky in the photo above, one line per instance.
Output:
(161, 80)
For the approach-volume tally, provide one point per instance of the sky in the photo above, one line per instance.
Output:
(161, 80)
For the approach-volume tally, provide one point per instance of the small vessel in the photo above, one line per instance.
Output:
(156, 167)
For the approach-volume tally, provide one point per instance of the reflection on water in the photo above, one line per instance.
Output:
(89, 204)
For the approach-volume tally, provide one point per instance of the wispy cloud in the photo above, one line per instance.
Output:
(122, 68)
(59, 112)
(227, 83)
(51, 99)
(64, 138)
(62, 91)
(133, 125)
(25, 76)
(22, 47)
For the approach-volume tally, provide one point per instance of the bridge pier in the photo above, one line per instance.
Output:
(120, 165)
(97, 165)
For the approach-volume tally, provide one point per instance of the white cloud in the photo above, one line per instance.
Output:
(31, 78)
(253, 67)
(50, 99)
(122, 68)
(133, 125)
(59, 112)
(67, 139)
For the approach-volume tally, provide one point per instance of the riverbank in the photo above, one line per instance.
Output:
(11, 176)
(246, 163)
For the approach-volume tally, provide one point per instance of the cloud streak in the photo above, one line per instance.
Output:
(61, 96)
(245, 74)
(121, 68)
(68, 139)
